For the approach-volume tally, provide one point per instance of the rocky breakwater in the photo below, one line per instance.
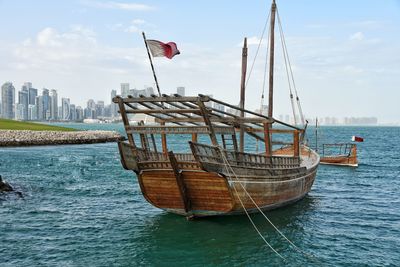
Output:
(33, 138)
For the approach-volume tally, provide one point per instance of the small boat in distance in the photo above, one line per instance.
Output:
(341, 154)
(215, 173)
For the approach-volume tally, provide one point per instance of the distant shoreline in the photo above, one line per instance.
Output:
(16, 138)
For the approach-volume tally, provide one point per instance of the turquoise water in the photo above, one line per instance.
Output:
(81, 208)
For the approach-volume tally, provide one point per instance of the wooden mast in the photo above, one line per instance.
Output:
(242, 91)
(271, 61)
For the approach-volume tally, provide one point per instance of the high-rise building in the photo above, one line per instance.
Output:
(72, 112)
(8, 101)
(91, 104)
(27, 85)
(100, 109)
(65, 109)
(32, 112)
(23, 104)
(46, 104)
(79, 113)
(60, 112)
(53, 105)
(32, 94)
(124, 89)
(180, 90)
(39, 108)
(149, 91)
(114, 106)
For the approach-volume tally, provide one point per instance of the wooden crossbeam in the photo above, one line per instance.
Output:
(164, 99)
(162, 111)
(178, 129)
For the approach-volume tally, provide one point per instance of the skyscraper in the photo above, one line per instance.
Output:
(72, 112)
(8, 100)
(124, 89)
(46, 104)
(114, 107)
(65, 109)
(23, 104)
(39, 108)
(180, 90)
(32, 94)
(53, 105)
(149, 91)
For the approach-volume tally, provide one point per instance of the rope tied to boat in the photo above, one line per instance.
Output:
(229, 169)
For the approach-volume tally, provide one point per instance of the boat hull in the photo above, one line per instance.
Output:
(211, 194)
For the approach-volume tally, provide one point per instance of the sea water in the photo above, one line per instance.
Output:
(81, 208)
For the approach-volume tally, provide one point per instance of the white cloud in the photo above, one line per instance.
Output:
(137, 25)
(358, 36)
(119, 5)
(138, 21)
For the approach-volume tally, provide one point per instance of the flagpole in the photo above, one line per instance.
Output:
(151, 63)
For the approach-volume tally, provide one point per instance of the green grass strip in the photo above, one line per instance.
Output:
(33, 126)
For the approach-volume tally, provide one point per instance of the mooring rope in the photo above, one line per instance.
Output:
(226, 163)
(245, 210)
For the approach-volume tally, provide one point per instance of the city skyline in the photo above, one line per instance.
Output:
(32, 106)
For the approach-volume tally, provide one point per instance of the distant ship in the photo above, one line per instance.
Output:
(217, 176)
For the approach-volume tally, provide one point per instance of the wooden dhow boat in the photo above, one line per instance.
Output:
(340, 154)
(214, 172)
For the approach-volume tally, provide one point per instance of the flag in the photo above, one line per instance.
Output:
(160, 49)
(357, 139)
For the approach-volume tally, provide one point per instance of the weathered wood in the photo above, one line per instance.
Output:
(202, 98)
(179, 181)
(153, 141)
(163, 111)
(164, 141)
(267, 139)
(208, 123)
(296, 144)
(128, 160)
(194, 137)
(242, 92)
(143, 138)
(271, 60)
(178, 129)
(125, 119)
(225, 120)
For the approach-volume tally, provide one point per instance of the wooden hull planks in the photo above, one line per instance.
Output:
(211, 194)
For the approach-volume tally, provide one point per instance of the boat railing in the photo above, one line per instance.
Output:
(336, 149)
(207, 153)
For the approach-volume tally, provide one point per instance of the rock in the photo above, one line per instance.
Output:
(4, 186)
(30, 138)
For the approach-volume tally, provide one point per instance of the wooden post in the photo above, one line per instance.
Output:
(271, 61)
(179, 181)
(164, 141)
(267, 139)
(194, 137)
(125, 120)
(207, 121)
(151, 63)
(242, 91)
(296, 143)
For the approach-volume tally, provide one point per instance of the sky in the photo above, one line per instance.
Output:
(345, 55)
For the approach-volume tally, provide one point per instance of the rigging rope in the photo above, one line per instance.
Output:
(290, 68)
(226, 163)
(258, 49)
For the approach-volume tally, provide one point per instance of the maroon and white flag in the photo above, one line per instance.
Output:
(160, 49)
(357, 139)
